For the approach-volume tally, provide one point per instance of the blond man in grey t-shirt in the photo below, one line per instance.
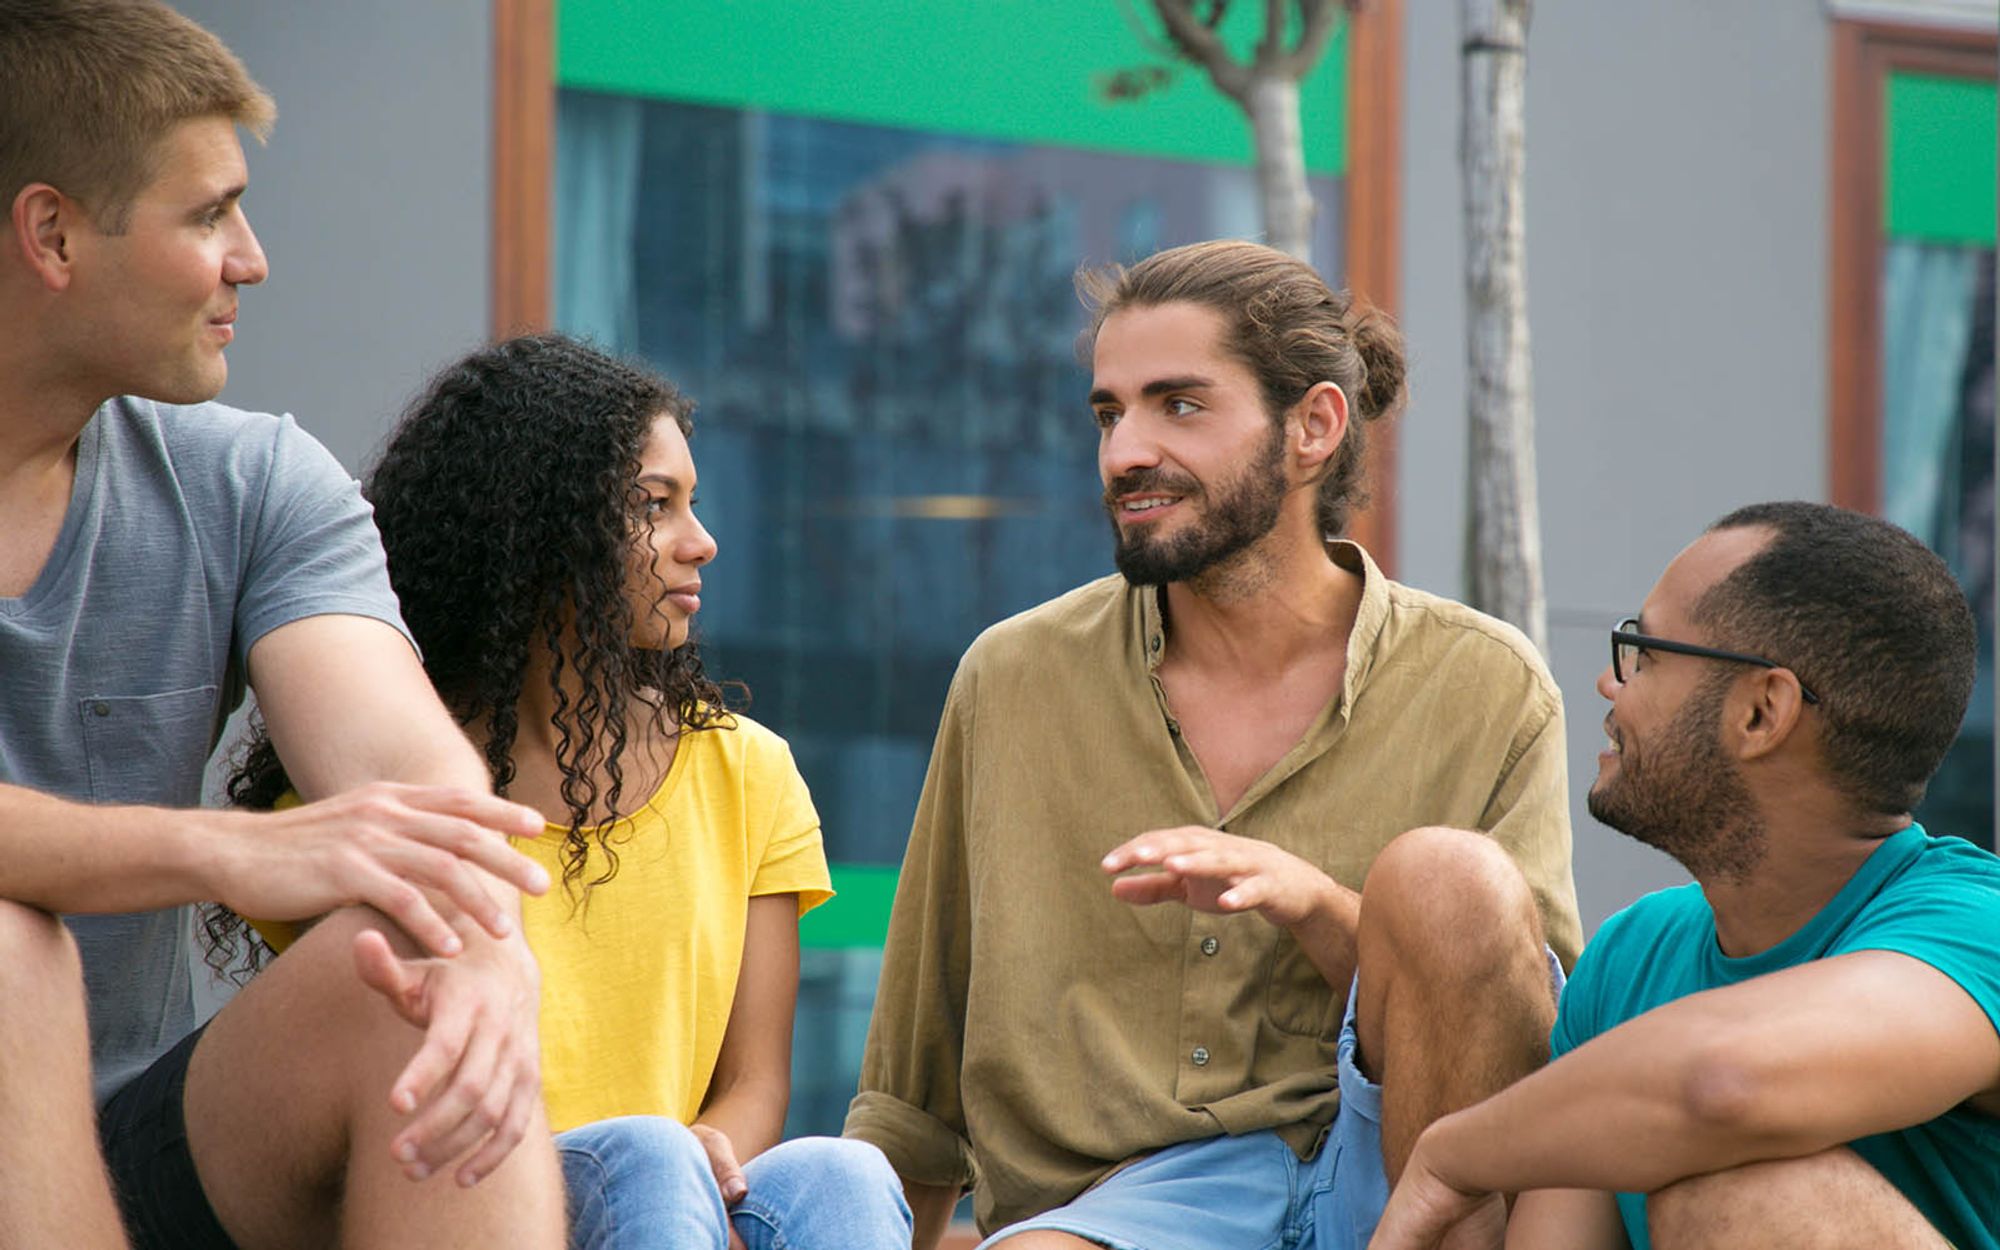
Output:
(158, 553)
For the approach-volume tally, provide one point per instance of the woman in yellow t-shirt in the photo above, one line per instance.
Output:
(537, 507)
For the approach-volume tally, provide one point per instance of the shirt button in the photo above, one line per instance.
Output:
(1200, 1056)
(1209, 946)
(1156, 644)
(101, 709)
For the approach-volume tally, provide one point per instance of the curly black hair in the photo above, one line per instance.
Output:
(506, 500)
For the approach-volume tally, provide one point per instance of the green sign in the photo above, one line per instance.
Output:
(858, 913)
(1027, 71)
(1941, 143)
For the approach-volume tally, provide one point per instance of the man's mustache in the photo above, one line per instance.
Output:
(1140, 481)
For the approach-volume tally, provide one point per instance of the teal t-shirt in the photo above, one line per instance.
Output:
(1933, 899)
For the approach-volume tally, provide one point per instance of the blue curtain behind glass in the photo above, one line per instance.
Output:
(1926, 323)
(1937, 475)
(596, 211)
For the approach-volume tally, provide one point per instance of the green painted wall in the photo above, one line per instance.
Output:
(858, 913)
(1022, 70)
(1940, 161)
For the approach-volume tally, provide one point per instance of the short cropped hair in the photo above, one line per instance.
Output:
(1284, 323)
(88, 88)
(1873, 622)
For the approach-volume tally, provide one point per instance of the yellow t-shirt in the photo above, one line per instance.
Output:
(637, 984)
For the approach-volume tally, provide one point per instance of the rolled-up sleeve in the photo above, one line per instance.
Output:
(910, 1103)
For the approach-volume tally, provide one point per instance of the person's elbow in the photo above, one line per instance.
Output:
(1738, 1089)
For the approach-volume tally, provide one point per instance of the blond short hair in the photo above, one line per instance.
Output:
(88, 88)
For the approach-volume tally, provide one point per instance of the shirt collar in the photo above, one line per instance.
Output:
(1369, 619)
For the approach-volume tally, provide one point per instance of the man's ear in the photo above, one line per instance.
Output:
(1321, 418)
(1763, 712)
(39, 230)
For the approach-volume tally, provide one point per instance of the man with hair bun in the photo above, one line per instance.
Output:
(1134, 992)
(1801, 1048)
(379, 1085)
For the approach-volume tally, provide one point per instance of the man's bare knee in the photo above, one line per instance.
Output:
(1832, 1200)
(1448, 896)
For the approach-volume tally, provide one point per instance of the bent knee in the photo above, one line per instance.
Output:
(1436, 857)
(1769, 1194)
(842, 1161)
(646, 1145)
(1437, 881)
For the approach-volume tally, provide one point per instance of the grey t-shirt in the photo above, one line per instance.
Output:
(191, 533)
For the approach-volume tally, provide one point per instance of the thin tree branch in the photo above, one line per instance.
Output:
(1318, 19)
(1199, 44)
(1147, 39)
(1271, 48)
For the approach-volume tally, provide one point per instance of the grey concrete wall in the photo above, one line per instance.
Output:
(372, 199)
(1676, 185)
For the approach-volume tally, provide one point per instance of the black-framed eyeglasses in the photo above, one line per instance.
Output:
(1627, 642)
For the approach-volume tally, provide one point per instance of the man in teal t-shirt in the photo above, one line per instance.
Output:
(1803, 1047)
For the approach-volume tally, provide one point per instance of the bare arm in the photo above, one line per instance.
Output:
(1777, 1067)
(347, 704)
(370, 845)
(752, 1084)
(930, 1209)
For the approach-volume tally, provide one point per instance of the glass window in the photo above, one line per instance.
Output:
(1937, 302)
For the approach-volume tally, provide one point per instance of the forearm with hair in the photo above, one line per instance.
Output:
(64, 856)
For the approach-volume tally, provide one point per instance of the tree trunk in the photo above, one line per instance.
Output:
(1273, 104)
(1503, 546)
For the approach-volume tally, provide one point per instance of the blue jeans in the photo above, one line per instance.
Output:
(642, 1182)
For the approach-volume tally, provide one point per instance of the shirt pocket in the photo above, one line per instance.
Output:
(1297, 998)
(148, 748)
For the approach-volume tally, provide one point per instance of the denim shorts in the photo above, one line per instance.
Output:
(1249, 1192)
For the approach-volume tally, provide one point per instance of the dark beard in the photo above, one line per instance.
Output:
(1244, 511)
(1684, 796)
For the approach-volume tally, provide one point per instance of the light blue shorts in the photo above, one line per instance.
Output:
(1249, 1192)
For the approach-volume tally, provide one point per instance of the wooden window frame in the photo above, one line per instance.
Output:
(1864, 55)
(524, 179)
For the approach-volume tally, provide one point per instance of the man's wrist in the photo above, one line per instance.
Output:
(1439, 1150)
(1333, 916)
(197, 846)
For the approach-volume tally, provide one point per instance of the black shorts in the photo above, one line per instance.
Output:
(143, 1131)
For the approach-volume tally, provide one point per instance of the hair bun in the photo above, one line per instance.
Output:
(1380, 344)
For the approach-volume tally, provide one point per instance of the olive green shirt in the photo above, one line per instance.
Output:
(1031, 1032)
